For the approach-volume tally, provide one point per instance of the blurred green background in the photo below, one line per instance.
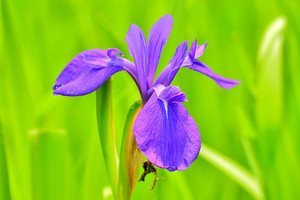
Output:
(49, 145)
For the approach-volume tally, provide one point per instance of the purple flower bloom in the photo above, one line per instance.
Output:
(164, 130)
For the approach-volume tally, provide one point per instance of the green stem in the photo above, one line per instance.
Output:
(104, 104)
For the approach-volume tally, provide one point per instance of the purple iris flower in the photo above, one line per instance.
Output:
(165, 132)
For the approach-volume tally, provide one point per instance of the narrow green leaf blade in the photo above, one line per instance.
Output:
(130, 156)
(233, 169)
(270, 77)
(104, 104)
(4, 183)
(48, 163)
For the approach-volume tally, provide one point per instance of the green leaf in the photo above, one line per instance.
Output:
(4, 183)
(48, 163)
(130, 156)
(104, 104)
(233, 169)
(269, 94)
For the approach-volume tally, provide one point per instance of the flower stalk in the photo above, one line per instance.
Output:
(106, 132)
(123, 175)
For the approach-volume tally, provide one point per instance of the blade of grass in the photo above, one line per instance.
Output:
(4, 183)
(270, 77)
(130, 155)
(14, 108)
(248, 132)
(104, 107)
(94, 177)
(269, 107)
(234, 170)
(48, 163)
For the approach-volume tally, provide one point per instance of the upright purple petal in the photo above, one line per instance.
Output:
(192, 50)
(168, 74)
(200, 50)
(196, 50)
(158, 37)
(166, 133)
(137, 46)
(88, 71)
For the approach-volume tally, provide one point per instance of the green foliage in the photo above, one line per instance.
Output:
(4, 184)
(130, 155)
(106, 132)
(237, 172)
(254, 128)
(48, 163)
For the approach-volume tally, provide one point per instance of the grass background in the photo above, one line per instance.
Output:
(49, 145)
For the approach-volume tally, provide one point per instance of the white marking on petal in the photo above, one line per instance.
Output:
(166, 107)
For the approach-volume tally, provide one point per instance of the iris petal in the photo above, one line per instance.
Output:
(167, 134)
(172, 94)
(195, 51)
(168, 74)
(88, 71)
(192, 50)
(137, 46)
(158, 37)
(112, 53)
(191, 63)
(225, 83)
(200, 50)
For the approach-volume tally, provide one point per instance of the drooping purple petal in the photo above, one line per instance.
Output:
(137, 45)
(98, 58)
(166, 133)
(220, 80)
(158, 37)
(190, 62)
(95, 58)
(168, 74)
(88, 71)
